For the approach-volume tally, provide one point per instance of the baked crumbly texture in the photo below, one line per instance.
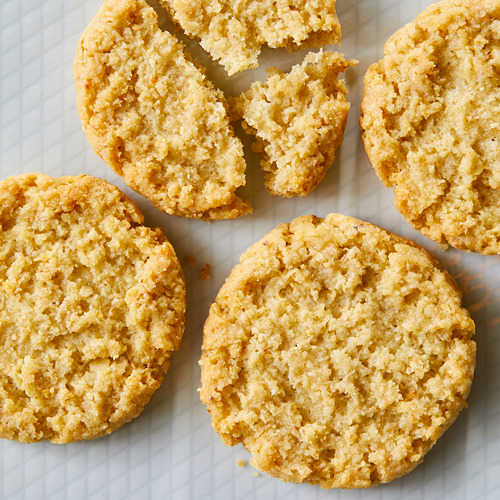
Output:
(91, 308)
(233, 32)
(431, 122)
(205, 272)
(337, 353)
(151, 114)
(299, 120)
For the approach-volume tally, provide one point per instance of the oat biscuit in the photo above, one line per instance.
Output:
(337, 353)
(299, 120)
(91, 308)
(233, 33)
(431, 122)
(151, 114)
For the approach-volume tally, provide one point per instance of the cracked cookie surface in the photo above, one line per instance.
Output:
(337, 353)
(431, 122)
(233, 32)
(298, 119)
(91, 308)
(151, 114)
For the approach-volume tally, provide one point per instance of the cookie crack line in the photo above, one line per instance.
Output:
(151, 114)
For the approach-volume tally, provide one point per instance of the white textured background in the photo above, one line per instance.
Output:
(171, 451)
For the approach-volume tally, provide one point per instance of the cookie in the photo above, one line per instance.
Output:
(91, 308)
(431, 121)
(337, 353)
(151, 114)
(233, 33)
(299, 120)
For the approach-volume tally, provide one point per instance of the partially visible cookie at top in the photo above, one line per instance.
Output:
(92, 306)
(299, 120)
(233, 33)
(336, 353)
(151, 114)
(431, 122)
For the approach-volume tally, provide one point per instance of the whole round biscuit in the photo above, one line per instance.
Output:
(91, 308)
(152, 115)
(337, 353)
(431, 122)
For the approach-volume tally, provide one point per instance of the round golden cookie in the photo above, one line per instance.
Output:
(91, 308)
(431, 122)
(337, 353)
(151, 114)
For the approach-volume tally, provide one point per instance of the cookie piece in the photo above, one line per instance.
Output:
(91, 308)
(337, 353)
(233, 33)
(431, 122)
(151, 114)
(299, 120)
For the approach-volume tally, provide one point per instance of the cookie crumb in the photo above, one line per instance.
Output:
(241, 463)
(256, 474)
(190, 260)
(205, 272)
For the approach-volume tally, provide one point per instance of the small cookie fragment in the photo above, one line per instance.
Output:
(337, 353)
(205, 272)
(92, 306)
(299, 120)
(233, 33)
(190, 260)
(151, 114)
(431, 122)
